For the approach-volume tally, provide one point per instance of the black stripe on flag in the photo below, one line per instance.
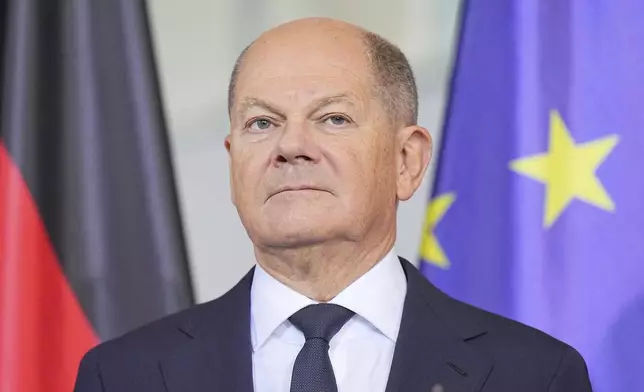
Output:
(83, 121)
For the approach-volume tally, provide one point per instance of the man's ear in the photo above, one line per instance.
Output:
(231, 181)
(414, 154)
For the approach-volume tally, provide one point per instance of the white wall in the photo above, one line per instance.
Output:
(197, 42)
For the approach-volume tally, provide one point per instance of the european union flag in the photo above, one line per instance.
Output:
(538, 207)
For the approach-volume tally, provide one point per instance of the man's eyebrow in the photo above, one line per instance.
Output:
(251, 102)
(326, 101)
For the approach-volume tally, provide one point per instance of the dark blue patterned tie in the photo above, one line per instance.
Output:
(312, 371)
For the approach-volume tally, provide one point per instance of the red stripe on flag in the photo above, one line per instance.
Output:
(43, 330)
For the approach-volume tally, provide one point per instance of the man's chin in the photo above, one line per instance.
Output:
(301, 225)
(298, 215)
(295, 238)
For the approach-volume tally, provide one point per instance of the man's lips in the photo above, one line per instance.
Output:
(292, 188)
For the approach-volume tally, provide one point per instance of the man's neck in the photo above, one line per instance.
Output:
(322, 271)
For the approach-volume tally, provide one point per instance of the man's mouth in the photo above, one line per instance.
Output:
(297, 188)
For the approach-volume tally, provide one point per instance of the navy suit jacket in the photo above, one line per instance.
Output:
(441, 341)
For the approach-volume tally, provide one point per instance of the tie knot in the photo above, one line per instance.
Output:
(321, 321)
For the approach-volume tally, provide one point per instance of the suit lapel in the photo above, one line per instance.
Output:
(217, 356)
(431, 349)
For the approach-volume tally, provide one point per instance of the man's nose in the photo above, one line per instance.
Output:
(297, 145)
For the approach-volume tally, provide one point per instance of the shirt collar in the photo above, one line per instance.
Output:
(378, 296)
(271, 303)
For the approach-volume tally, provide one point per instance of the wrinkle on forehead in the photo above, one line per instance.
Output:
(302, 90)
(347, 98)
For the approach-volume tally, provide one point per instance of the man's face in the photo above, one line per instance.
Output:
(312, 151)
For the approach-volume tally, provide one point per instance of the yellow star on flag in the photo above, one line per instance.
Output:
(430, 248)
(568, 170)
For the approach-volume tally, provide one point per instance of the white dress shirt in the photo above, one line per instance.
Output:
(361, 352)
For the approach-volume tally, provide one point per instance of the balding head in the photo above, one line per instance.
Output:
(393, 79)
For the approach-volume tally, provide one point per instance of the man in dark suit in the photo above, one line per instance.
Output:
(323, 145)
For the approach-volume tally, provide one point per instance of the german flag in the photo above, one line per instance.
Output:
(91, 240)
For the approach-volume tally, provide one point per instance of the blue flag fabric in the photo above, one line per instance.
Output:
(537, 212)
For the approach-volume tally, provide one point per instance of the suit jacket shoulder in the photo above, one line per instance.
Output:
(177, 349)
(519, 357)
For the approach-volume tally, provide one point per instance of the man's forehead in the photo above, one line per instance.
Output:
(304, 55)
(313, 101)
(305, 66)
(304, 76)
(302, 70)
(344, 96)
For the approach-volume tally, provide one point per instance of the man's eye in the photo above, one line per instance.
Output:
(261, 124)
(337, 120)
